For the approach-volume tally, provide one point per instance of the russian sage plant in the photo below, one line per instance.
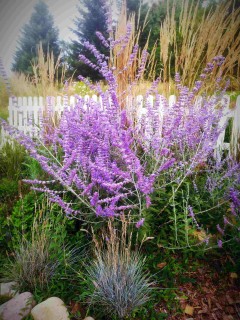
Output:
(109, 161)
(108, 157)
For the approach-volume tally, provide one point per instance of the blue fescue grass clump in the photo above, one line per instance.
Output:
(120, 284)
(117, 273)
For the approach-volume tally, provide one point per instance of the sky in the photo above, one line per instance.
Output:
(14, 14)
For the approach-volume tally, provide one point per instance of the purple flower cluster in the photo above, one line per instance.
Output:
(140, 223)
(189, 128)
(234, 197)
(192, 215)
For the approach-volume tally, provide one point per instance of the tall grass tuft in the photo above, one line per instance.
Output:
(117, 273)
(127, 74)
(49, 73)
(38, 258)
(197, 38)
(47, 80)
(23, 85)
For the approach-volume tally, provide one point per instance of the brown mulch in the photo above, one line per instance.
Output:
(213, 296)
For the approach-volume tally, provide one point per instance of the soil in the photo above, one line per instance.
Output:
(211, 296)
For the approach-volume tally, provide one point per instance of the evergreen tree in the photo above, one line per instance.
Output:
(134, 5)
(39, 29)
(91, 18)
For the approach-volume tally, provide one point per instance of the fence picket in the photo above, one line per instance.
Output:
(235, 139)
(224, 121)
(172, 100)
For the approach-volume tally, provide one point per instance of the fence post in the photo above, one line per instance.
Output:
(236, 129)
(10, 111)
(227, 115)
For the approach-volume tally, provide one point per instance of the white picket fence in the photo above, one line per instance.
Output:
(25, 114)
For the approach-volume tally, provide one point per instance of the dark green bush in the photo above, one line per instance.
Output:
(19, 221)
(168, 219)
(8, 190)
(12, 156)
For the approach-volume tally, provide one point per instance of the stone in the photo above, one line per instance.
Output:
(52, 308)
(6, 289)
(88, 318)
(18, 307)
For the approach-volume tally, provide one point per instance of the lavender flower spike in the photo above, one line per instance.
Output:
(140, 223)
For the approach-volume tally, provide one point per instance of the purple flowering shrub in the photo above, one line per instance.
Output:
(109, 163)
(110, 157)
(93, 155)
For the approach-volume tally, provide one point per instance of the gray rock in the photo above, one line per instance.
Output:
(89, 318)
(52, 308)
(18, 307)
(6, 289)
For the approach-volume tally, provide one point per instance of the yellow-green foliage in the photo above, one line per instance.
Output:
(3, 100)
(82, 89)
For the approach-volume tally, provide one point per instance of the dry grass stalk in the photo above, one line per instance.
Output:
(125, 72)
(46, 80)
(23, 85)
(114, 242)
(3, 99)
(47, 83)
(167, 37)
(45, 70)
(217, 33)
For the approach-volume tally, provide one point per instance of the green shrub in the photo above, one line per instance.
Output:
(17, 218)
(8, 196)
(8, 189)
(169, 220)
(12, 156)
(20, 218)
(32, 169)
